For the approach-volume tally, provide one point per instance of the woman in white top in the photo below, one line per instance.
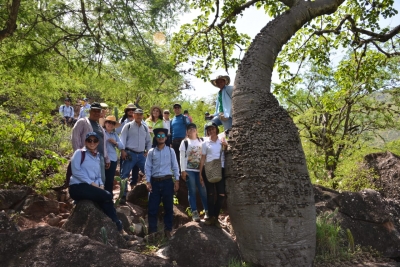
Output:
(212, 149)
(190, 155)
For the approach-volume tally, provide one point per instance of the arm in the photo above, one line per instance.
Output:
(147, 169)
(183, 160)
(175, 169)
(76, 135)
(148, 141)
(76, 167)
(119, 143)
(60, 110)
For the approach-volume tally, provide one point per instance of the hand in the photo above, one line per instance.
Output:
(145, 154)
(123, 154)
(112, 141)
(101, 186)
(201, 181)
(149, 188)
(183, 175)
(94, 184)
(176, 186)
(107, 165)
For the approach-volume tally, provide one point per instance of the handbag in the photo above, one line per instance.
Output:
(222, 117)
(214, 170)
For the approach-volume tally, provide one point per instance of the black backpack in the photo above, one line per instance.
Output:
(69, 170)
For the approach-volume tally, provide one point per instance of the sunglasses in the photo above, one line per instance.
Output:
(111, 122)
(160, 135)
(166, 113)
(92, 140)
(130, 110)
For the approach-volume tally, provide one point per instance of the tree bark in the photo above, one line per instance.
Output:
(11, 24)
(270, 196)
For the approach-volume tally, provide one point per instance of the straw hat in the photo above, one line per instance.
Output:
(113, 119)
(223, 77)
(130, 106)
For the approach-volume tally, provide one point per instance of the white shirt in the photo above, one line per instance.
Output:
(190, 158)
(167, 125)
(212, 150)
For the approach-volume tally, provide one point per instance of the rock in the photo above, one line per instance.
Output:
(138, 227)
(87, 219)
(53, 247)
(40, 206)
(137, 212)
(6, 223)
(372, 220)
(54, 221)
(180, 216)
(195, 244)
(125, 210)
(61, 223)
(11, 197)
(138, 196)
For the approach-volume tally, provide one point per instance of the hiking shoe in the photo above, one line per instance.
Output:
(206, 217)
(122, 200)
(167, 234)
(210, 221)
(120, 227)
(195, 216)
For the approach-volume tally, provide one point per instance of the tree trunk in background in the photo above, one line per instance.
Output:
(270, 196)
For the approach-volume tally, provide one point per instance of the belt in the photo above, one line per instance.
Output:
(161, 178)
(134, 151)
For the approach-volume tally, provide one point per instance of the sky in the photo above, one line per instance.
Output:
(252, 21)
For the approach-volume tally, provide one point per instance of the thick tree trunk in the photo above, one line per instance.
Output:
(270, 196)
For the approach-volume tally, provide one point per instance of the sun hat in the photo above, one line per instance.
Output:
(166, 111)
(130, 106)
(95, 105)
(104, 105)
(138, 111)
(89, 134)
(223, 77)
(113, 119)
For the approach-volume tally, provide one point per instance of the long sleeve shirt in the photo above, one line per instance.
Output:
(226, 102)
(112, 154)
(87, 172)
(135, 137)
(83, 113)
(190, 157)
(66, 111)
(161, 163)
(178, 126)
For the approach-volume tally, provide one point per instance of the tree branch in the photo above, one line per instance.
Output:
(11, 24)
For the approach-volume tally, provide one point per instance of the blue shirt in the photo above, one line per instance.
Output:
(178, 126)
(84, 111)
(112, 154)
(161, 163)
(87, 172)
(66, 111)
(135, 137)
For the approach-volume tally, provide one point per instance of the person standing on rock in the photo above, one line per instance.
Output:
(161, 165)
(86, 182)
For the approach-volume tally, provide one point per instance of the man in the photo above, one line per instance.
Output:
(86, 125)
(84, 109)
(127, 117)
(166, 120)
(161, 163)
(186, 114)
(223, 105)
(136, 139)
(178, 129)
(67, 112)
(103, 113)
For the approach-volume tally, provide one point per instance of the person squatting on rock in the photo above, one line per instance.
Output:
(190, 155)
(135, 137)
(86, 182)
(223, 104)
(161, 165)
(211, 150)
(67, 113)
(113, 142)
(85, 125)
(155, 120)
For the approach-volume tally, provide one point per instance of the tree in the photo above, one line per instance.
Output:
(270, 196)
(338, 109)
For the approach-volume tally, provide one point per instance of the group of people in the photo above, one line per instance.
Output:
(163, 149)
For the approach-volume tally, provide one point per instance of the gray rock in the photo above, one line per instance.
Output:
(11, 197)
(40, 206)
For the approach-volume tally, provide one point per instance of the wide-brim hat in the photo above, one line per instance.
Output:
(113, 119)
(130, 106)
(158, 130)
(223, 77)
(155, 107)
(104, 105)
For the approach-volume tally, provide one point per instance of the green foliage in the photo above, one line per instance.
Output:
(122, 185)
(145, 229)
(238, 263)
(104, 237)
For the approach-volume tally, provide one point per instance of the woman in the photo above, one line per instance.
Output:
(155, 120)
(190, 155)
(211, 150)
(112, 142)
(86, 180)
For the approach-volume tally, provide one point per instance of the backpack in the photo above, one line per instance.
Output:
(63, 106)
(187, 144)
(69, 170)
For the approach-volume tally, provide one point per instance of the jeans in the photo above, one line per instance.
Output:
(135, 170)
(127, 165)
(193, 180)
(102, 197)
(227, 124)
(218, 189)
(110, 173)
(161, 191)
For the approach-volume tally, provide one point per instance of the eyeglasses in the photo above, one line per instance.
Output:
(166, 113)
(111, 122)
(160, 135)
(92, 140)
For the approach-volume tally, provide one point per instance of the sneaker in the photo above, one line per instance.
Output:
(122, 200)
(195, 216)
(210, 221)
(206, 217)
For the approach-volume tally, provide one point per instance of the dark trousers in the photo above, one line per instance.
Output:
(176, 143)
(215, 189)
(110, 173)
(102, 197)
(162, 191)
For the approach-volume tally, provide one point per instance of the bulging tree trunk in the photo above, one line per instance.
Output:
(270, 196)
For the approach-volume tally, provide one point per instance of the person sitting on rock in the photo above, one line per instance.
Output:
(67, 113)
(161, 165)
(86, 182)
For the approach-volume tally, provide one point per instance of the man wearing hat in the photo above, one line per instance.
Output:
(85, 125)
(166, 121)
(84, 109)
(127, 117)
(223, 104)
(178, 128)
(161, 166)
(67, 112)
(135, 137)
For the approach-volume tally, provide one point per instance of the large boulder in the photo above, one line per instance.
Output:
(12, 197)
(138, 195)
(40, 206)
(373, 220)
(387, 166)
(6, 223)
(88, 219)
(53, 247)
(195, 245)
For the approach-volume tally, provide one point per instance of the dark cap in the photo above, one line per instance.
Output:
(177, 105)
(158, 130)
(91, 134)
(207, 113)
(210, 124)
(67, 99)
(138, 111)
(95, 105)
(191, 125)
(86, 99)
(185, 111)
